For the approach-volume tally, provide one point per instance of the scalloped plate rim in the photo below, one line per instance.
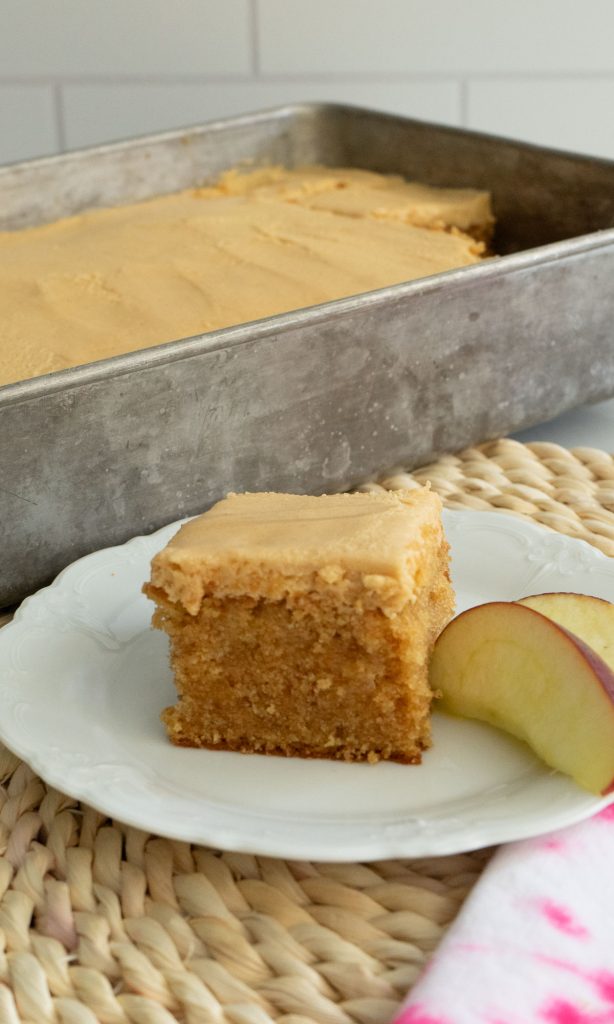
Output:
(148, 819)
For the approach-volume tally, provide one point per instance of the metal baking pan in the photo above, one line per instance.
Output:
(319, 399)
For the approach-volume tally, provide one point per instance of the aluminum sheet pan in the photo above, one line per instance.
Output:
(318, 399)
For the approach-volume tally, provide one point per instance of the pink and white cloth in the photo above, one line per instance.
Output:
(534, 942)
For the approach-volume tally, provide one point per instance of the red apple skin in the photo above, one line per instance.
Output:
(602, 671)
(599, 669)
(564, 593)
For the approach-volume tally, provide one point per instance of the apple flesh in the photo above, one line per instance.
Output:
(590, 618)
(511, 666)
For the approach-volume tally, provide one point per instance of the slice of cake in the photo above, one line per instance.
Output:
(303, 625)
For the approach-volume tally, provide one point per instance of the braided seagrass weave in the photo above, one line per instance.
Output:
(101, 922)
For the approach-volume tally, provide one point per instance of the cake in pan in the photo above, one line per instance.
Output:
(111, 281)
(304, 625)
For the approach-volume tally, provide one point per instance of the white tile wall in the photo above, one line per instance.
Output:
(95, 112)
(125, 37)
(28, 121)
(434, 36)
(76, 72)
(570, 113)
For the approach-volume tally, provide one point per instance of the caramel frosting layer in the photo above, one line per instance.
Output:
(111, 281)
(283, 545)
(354, 192)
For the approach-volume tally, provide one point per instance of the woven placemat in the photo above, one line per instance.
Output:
(101, 922)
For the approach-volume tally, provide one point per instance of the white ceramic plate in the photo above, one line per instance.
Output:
(83, 679)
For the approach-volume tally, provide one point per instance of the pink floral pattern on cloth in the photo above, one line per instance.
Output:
(534, 943)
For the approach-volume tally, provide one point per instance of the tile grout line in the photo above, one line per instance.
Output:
(349, 78)
(254, 37)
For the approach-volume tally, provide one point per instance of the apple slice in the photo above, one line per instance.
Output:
(509, 665)
(590, 618)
